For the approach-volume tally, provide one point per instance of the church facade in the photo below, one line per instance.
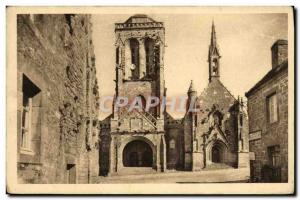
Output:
(213, 135)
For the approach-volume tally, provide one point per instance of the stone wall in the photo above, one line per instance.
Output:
(174, 142)
(270, 134)
(55, 52)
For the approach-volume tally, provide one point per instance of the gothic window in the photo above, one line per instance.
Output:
(134, 49)
(30, 108)
(157, 56)
(241, 119)
(117, 55)
(141, 100)
(195, 120)
(272, 108)
(149, 49)
(215, 66)
(93, 60)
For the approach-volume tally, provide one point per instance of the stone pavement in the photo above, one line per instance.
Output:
(205, 176)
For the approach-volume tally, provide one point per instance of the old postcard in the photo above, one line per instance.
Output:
(150, 100)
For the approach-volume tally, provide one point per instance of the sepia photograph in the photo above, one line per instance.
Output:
(150, 100)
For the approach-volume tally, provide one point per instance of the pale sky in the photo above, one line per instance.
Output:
(244, 42)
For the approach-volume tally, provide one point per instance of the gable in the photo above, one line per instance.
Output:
(216, 93)
(217, 134)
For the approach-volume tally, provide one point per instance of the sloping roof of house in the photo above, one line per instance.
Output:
(274, 71)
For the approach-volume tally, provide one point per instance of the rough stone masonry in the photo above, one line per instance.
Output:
(57, 99)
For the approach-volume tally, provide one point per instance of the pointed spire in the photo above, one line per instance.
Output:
(213, 41)
(192, 87)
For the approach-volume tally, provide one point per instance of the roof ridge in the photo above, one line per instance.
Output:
(275, 70)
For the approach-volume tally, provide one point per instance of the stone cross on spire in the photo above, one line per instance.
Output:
(213, 41)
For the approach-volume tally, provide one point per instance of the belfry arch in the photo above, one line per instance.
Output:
(135, 60)
(149, 50)
(132, 59)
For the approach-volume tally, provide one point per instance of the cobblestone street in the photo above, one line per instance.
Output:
(211, 176)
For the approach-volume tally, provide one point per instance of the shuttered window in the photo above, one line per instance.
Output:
(272, 108)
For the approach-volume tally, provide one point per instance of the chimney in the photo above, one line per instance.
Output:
(279, 52)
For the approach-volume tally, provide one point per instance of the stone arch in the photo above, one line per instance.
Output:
(132, 60)
(216, 152)
(135, 60)
(137, 138)
(137, 153)
(143, 100)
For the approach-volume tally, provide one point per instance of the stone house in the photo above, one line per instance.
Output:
(57, 99)
(268, 120)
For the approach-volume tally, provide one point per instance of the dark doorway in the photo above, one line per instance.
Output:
(137, 154)
(71, 174)
(134, 159)
(216, 154)
(147, 159)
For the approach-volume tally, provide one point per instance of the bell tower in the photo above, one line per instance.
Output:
(139, 60)
(137, 126)
(213, 56)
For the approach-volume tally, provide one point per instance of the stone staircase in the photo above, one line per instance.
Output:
(217, 166)
(204, 176)
(135, 171)
(145, 115)
(151, 119)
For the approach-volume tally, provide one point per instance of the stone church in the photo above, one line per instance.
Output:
(215, 136)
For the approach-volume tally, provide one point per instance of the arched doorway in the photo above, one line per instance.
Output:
(216, 154)
(137, 153)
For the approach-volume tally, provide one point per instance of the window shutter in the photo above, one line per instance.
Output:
(275, 108)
